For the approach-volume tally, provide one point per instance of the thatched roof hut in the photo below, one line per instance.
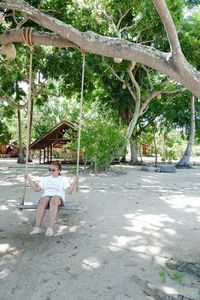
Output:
(56, 138)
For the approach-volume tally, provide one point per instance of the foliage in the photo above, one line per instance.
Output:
(178, 277)
(190, 38)
(54, 111)
(5, 135)
(175, 142)
(100, 139)
(60, 69)
(165, 272)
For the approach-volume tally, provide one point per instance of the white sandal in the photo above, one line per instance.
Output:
(49, 232)
(36, 230)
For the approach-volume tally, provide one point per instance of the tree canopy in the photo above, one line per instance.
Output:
(60, 34)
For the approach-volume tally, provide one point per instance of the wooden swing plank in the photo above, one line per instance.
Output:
(34, 206)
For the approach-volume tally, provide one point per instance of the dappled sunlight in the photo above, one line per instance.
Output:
(85, 191)
(91, 263)
(153, 250)
(74, 228)
(188, 203)
(24, 220)
(62, 229)
(147, 234)
(11, 202)
(7, 183)
(4, 273)
(148, 220)
(4, 248)
(121, 242)
(149, 180)
(65, 228)
(129, 224)
(4, 207)
(169, 231)
(169, 290)
(134, 244)
(9, 252)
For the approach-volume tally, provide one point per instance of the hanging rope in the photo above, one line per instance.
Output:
(27, 36)
(80, 113)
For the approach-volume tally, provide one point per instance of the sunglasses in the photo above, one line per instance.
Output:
(52, 170)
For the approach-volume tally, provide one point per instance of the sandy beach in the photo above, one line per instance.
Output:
(130, 223)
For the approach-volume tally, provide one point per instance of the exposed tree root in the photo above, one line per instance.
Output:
(157, 294)
(188, 267)
(183, 166)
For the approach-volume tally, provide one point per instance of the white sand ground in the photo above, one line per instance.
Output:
(129, 225)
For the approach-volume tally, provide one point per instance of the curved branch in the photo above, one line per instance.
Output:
(113, 71)
(169, 28)
(122, 80)
(156, 93)
(134, 83)
(13, 104)
(39, 38)
(148, 77)
(122, 17)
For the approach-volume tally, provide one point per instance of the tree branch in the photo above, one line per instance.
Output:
(170, 29)
(172, 64)
(156, 93)
(113, 71)
(121, 80)
(13, 104)
(39, 38)
(122, 17)
(148, 77)
(134, 83)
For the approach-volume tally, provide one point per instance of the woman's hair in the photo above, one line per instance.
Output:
(57, 164)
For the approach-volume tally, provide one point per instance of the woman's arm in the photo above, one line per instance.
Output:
(73, 186)
(35, 186)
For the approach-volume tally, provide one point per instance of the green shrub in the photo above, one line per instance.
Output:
(100, 140)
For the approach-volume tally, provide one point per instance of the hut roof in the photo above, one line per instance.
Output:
(55, 136)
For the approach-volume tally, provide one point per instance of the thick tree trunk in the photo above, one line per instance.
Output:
(164, 145)
(185, 160)
(134, 151)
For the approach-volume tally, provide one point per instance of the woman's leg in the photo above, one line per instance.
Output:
(54, 203)
(42, 205)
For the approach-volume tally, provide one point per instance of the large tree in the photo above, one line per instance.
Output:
(172, 63)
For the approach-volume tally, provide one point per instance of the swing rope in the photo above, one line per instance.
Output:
(27, 37)
(80, 112)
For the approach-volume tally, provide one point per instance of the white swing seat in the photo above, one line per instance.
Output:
(34, 206)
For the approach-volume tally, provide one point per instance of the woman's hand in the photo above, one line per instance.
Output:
(74, 185)
(35, 186)
(27, 177)
(76, 180)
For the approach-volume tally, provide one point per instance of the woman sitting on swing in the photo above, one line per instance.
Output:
(54, 186)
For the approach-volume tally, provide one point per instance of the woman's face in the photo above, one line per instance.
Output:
(54, 171)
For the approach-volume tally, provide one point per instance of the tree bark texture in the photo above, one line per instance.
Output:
(185, 160)
(134, 151)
